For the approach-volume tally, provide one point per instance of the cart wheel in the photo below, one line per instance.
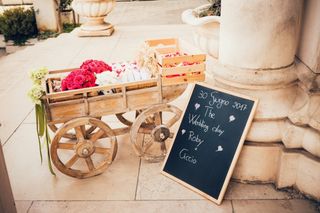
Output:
(97, 149)
(126, 118)
(149, 138)
(69, 135)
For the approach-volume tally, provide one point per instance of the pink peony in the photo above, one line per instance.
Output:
(95, 66)
(78, 79)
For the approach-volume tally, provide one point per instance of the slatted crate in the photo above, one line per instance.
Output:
(167, 66)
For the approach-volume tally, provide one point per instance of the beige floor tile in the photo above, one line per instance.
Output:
(151, 12)
(270, 206)
(130, 206)
(32, 181)
(99, 48)
(154, 186)
(15, 106)
(31, 117)
(22, 206)
(241, 191)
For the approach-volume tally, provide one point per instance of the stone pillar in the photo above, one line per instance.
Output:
(46, 15)
(258, 43)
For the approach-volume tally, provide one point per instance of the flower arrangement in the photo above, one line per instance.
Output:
(122, 72)
(85, 76)
(35, 94)
(93, 72)
(78, 79)
(95, 66)
(37, 75)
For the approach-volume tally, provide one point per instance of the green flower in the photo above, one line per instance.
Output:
(35, 93)
(37, 75)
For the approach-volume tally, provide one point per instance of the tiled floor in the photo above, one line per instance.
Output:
(129, 185)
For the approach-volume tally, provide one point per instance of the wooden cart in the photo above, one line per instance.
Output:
(83, 136)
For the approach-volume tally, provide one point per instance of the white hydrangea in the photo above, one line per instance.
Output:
(37, 75)
(35, 93)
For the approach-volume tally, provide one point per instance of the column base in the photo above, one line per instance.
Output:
(96, 33)
(273, 163)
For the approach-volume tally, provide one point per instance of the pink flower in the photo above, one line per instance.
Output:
(95, 66)
(79, 79)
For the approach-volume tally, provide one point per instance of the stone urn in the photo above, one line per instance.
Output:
(94, 13)
(206, 30)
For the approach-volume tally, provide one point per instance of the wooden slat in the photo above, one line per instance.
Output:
(101, 150)
(166, 50)
(50, 86)
(180, 59)
(183, 69)
(143, 100)
(69, 146)
(62, 71)
(167, 41)
(182, 79)
(141, 91)
(72, 161)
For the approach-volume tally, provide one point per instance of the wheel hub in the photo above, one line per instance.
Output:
(85, 149)
(160, 133)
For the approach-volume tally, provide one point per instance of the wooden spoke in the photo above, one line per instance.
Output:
(68, 146)
(147, 145)
(172, 121)
(79, 133)
(171, 135)
(83, 130)
(158, 118)
(90, 163)
(102, 151)
(97, 135)
(163, 148)
(72, 161)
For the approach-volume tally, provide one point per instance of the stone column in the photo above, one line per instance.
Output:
(258, 42)
(46, 15)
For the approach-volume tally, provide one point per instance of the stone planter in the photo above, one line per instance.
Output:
(94, 13)
(206, 30)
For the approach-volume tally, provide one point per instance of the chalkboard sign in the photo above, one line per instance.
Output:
(209, 140)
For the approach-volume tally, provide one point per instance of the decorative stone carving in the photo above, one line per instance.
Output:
(94, 13)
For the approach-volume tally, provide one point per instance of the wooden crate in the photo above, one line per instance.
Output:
(62, 106)
(169, 72)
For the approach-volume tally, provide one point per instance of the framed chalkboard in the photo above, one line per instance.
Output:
(209, 140)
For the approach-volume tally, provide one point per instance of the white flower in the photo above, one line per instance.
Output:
(35, 93)
(106, 78)
(37, 75)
